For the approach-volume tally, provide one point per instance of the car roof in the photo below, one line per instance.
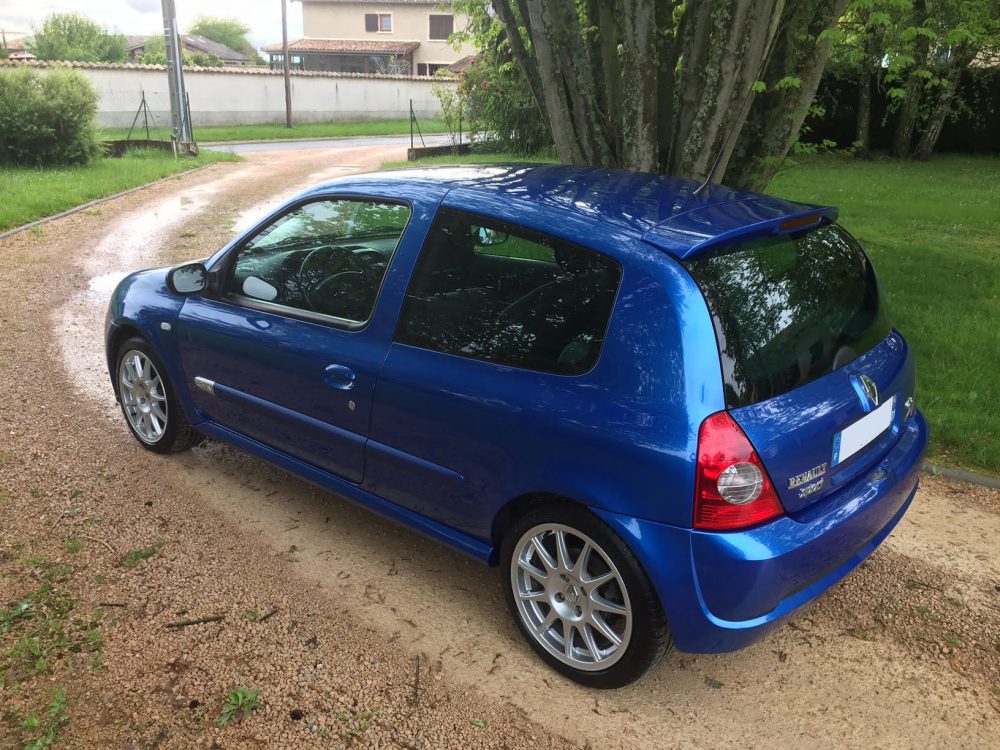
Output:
(664, 211)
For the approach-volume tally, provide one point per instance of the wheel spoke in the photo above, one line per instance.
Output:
(531, 570)
(548, 622)
(601, 604)
(580, 566)
(136, 365)
(597, 581)
(562, 553)
(532, 596)
(568, 639)
(588, 640)
(543, 554)
(606, 630)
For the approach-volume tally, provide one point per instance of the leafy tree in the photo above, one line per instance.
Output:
(958, 31)
(227, 31)
(71, 36)
(660, 85)
(866, 36)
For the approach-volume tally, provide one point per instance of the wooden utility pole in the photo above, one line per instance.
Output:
(286, 63)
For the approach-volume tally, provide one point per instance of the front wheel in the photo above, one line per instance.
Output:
(148, 401)
(581, 597)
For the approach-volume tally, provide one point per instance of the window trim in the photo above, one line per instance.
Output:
(224, 266)
(520, 229)
(433, 39)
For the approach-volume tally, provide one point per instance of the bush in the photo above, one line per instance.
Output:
(46, 119)
(500, 104)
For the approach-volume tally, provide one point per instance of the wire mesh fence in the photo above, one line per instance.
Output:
(143, 112)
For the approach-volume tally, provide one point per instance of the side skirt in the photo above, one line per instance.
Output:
(465, 544)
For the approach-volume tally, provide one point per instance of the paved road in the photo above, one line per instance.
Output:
(298, 145)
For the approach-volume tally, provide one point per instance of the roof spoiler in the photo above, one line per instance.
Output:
(699, 230)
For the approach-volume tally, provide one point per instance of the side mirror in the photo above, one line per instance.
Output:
(188, 279)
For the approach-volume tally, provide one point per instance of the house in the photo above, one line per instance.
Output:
(16, 43)
(398, 37)
(193, 45)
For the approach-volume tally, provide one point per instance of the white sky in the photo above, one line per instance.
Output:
(140, 17)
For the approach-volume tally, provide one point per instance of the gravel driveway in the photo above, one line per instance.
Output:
(358, 633)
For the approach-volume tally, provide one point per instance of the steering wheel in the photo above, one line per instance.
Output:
(318, 287)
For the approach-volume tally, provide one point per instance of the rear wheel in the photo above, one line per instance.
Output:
(148, 400)
(581, 598)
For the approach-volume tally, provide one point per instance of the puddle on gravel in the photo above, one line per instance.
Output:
(133, 242)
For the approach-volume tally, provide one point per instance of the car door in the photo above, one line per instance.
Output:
(499, 330)
(282, 352)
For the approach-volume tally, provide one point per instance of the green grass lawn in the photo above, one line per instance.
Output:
(933, 231)
(29, 194)
(272, 131)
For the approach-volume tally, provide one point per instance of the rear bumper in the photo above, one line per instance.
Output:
(724, 591)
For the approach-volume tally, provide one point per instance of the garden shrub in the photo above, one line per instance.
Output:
(499, 103)
(46, 118)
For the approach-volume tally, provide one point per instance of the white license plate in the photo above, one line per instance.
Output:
(854, 438)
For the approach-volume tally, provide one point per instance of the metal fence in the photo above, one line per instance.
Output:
(143, 111)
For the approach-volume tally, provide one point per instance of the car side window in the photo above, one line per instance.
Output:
(488, 290)
(327, 257)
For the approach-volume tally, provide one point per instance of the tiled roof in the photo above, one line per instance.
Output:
(221, 51)
(195, 42)
(356, 46)
(458, 67)
(254, 70)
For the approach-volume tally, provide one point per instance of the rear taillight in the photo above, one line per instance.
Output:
(732, 489)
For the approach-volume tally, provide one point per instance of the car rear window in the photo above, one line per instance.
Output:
(789, 309)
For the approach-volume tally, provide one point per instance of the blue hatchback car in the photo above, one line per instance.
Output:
(670, 417)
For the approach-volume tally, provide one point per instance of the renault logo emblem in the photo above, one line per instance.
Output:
(871, 390)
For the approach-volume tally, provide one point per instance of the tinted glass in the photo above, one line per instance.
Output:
(327, 258)
(491, 291)
(790, 309)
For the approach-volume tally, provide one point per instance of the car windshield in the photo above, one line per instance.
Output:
(789, 309)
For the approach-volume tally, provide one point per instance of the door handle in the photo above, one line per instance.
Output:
(340, 377)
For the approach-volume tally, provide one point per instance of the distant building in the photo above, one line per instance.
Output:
(397, 37)
(16, 43)
(193, 45)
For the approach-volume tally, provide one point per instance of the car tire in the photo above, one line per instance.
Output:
(148, 400)
(617, 627)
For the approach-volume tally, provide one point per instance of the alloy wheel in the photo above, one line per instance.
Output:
(143, 397)
(571, 597)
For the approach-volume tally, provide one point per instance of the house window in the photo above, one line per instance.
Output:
(441, 27)
(429, 69)
(381, 22)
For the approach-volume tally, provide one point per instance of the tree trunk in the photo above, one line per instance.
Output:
(777, 115)
(738, 35)
(942, 107)
(907, 122)
(640, 63)
(862, 136)
(521, 56)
